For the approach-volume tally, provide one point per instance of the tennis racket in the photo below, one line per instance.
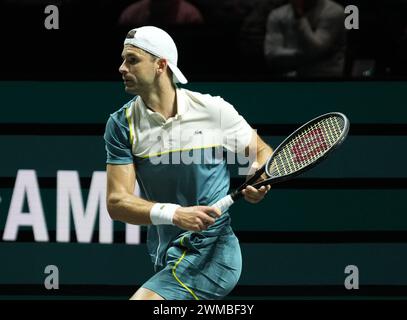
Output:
(300, 151)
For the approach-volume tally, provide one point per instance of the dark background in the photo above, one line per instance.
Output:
(58, 87)
(87, 45)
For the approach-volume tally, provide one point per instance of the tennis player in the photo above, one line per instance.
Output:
(173, 142)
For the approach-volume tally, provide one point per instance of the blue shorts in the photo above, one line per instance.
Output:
(199, 267)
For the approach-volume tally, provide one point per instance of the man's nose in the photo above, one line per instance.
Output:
(123, 69)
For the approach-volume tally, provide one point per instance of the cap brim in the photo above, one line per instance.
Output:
(177, 74)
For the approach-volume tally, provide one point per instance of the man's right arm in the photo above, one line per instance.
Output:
(124, 206)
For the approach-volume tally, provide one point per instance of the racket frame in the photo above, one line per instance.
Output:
(264, 169)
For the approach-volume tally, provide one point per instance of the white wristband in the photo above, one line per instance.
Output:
(162, 213)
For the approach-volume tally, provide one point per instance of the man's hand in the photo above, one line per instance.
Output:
(195, 218)
(252, 194)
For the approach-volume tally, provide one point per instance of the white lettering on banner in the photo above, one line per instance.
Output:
(69, 196)
(26, 185)
(132, 234)
(69, 199)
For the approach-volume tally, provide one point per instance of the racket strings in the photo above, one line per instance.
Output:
(309, 145)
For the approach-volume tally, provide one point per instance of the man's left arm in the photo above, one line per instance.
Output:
(262, 151)
(239, 137)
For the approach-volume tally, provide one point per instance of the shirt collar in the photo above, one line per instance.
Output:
(181, 107)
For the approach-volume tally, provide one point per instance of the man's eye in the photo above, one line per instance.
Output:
(132, 61)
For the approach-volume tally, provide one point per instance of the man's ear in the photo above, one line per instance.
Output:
(162, 65)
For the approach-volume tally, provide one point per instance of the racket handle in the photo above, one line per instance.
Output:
(224, 203)
(252, 179)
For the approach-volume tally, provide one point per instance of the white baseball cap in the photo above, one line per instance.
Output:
(160, 44)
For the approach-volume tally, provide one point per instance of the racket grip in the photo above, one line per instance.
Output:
(224, 203)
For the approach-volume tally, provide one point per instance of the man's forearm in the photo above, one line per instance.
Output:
(129, 208)
(263, 154)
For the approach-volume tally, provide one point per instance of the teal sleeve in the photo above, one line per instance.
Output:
(117, 140)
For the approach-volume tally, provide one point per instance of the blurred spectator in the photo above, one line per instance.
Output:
(306, 38)
(160, 12)
(253, 30)
(230, 12)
